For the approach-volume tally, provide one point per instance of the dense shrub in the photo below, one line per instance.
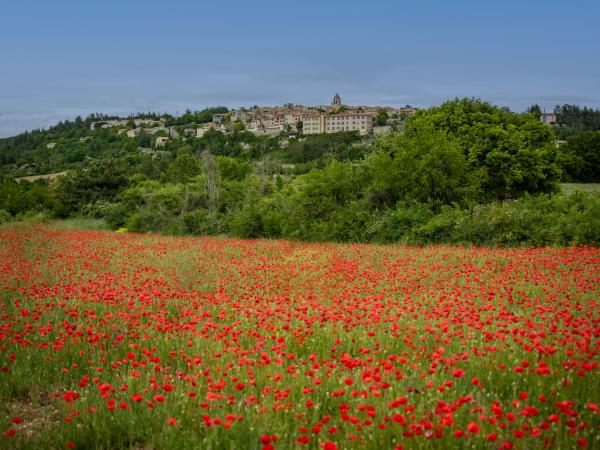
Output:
(202, 222)
(314, 146)
(22, 197)
(540, 220)
(581, 158)
(395, 225)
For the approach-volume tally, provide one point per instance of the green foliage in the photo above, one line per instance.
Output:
(22, 197)
(5, 217)
(101, 181)
(28, 154)
(183, 167)
(535, 110)
(202, 222)
(115, 215)
(242, 144)
(382, 117)
(511, 154)
(427, 166)
(396, 225)
(233, 169)
(238, 126)
(144, 140)
(581, 157)
(314, 146)
(538, 221)
(196, 117)
(439, 228)
(573, 120)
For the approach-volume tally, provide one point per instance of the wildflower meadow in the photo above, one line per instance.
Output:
(142, 341)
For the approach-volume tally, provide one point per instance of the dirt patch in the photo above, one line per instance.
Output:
(48, 176)
(36, 414)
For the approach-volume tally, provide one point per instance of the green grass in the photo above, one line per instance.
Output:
(75, 223)
(81, 223)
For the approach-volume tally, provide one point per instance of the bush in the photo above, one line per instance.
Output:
(395, 225)
(134, 222)
(202, 222)
(509, 222)
(440, 228)
(350, 224)
(150, 219)
(116, 215)
(540, 220)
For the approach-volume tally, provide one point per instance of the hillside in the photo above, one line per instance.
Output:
(465, 171)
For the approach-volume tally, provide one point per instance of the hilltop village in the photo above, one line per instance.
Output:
(272, 120)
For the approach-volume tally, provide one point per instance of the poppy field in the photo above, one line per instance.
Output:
(144, 341)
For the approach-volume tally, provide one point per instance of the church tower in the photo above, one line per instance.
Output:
(337, 100)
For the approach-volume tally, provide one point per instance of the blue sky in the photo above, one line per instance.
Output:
(66, 58)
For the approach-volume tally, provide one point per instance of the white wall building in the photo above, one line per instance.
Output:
(335, 123)
(161, 140)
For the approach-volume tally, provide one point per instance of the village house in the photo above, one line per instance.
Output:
(292, 118)
(241, 115)
(548, 118)
(161, 141)
(207, 126)
(311, 124)
(272, 130)
(351, 121)
(218, 118)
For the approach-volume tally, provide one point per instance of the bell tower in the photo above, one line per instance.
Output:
(337, 100)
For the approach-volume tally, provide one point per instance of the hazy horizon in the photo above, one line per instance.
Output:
(66, 59)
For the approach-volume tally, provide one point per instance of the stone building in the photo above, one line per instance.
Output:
(548, 118)
(333, 123)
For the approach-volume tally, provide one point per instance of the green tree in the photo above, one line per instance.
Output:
(238, 126)
(512, 154)
(183, 167)
(144, 140)
(581, 157)
(311, 200)
(382, 117)
(22, 197)
(573, 120)
(535, 110)
(428, 166)
(233, 168)
(102, 181)
(314, 146)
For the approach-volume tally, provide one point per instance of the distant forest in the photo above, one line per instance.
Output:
(573, 120)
